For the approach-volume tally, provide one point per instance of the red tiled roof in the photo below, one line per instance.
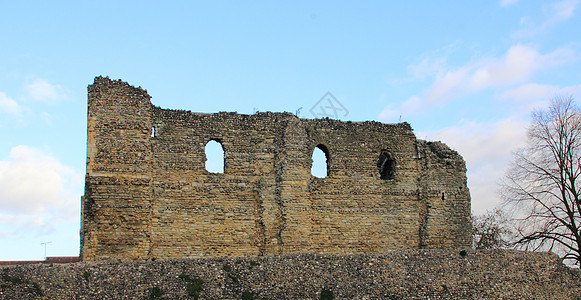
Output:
(49, 260)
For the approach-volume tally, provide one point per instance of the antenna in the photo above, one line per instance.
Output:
(298, 112)
(44, 244)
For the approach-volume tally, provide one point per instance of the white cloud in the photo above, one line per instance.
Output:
(516, 66)
(8, 105)
(15, 226)
(41, 90)
(487, 149)
(533, 95)
(432, 63)
(530, 95)
(426, 67)
(505, 3)
(558, 12)
(388, 115)
(36, 190)
(445, 86)
(561, 11)
(410, 106)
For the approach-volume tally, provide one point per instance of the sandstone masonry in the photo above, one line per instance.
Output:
(149, 196)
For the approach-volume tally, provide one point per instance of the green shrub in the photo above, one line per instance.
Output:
(36, 289)
(246, 295)
(195, 288)
(185, 277)
(326, 295)
(156, 292)
(13, 280)
(234, 278)
(227, 268)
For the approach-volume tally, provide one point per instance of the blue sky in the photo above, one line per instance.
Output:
(467, 73)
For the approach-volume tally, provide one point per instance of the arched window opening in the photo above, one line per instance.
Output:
(320, 158)
(214, 157)
(153, 131)
(386, 165)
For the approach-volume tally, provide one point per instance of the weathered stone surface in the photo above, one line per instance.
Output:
(149, 196)
(398, 274)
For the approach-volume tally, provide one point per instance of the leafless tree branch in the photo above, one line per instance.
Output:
(541, 187)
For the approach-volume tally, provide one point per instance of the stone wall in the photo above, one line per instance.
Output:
(399, 274)
(149, 196)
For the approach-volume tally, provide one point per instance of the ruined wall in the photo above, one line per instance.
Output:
(149, 195)
(398, 274)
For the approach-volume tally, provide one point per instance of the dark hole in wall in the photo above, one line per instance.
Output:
(386, 165)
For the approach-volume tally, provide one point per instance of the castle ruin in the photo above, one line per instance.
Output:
(148, 194)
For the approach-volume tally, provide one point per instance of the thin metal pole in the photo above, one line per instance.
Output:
(45, 243)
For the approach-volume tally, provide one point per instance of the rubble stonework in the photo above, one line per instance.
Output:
(149, 196)
(398, 274)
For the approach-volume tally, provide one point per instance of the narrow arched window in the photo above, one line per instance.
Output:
(214, 157)
(320, 165)
(386, 165)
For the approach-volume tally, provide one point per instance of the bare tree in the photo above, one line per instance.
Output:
(491, 230)
(543, 183)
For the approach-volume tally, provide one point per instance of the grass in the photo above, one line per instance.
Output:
(194, 286)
